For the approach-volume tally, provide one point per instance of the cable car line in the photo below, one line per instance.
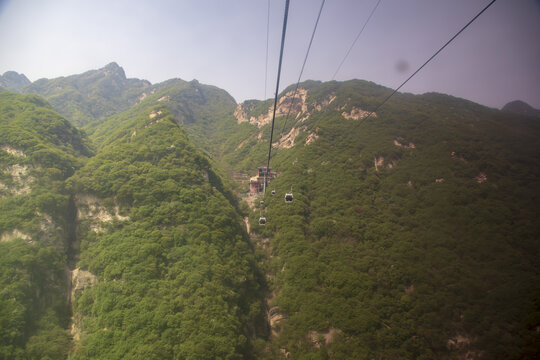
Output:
(356, 39)
(277, 89)
(303, 65)
(431, 58)
(267, 36)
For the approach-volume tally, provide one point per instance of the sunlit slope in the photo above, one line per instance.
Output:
(39, 149)
(171, 271)
(413, 233)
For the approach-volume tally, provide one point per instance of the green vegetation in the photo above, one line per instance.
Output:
(413, 234)
(176, 280)
(38, 150)
(90, 96)
(391, 261)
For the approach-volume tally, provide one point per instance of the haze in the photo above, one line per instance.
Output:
(223, 43)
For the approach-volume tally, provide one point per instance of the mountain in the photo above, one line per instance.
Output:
(39, 149)
(200, 109)
(412, 233)
(522, 108)
(92, 95)
(13, 81)
(160, 234)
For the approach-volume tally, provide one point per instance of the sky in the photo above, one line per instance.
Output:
(223, 43)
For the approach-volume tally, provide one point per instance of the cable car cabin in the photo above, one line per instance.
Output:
(262, 221)
(288, 198)
(273, 192)
(261, 202)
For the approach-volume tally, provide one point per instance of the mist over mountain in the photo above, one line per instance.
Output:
(128, 229)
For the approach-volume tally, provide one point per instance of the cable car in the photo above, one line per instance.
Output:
(273, 192)
(288, 197)
(262, 221)
(261, 202)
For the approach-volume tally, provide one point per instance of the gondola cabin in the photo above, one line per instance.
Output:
(262, 221)
(288, 197)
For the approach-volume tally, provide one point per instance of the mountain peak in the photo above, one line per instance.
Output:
(14, 81)
(114, 69)
(521, 107)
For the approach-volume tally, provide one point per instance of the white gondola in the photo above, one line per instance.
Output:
(273, 192)
(262, 221)
(288, 197)
(261, 202)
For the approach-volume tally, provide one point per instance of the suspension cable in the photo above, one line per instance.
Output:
(431, 58)
(277, 89)
(267, 36)
(356, 39)
(303, 65)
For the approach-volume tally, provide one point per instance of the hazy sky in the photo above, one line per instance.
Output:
(223, 43)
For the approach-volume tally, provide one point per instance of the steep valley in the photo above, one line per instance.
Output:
(413, 233)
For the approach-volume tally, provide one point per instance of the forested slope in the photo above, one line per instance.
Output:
(413, 233)
(39, 149)
(174, 273)
(203, 111)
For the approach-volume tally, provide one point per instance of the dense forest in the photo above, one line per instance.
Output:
(39, 150)
(413, 233)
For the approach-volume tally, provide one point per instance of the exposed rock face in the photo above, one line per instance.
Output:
(378, 162)
(323, 338)
(21, 180)
(296, 105)
(90, 208)
(274, 318)
(287, 140)
(357, 114)
(14, 234)
(285, 104)
(153, 114)
(405, 146)
(327, 101)
(240, 114)
(80, 280)
(311, 138)
(12, 151)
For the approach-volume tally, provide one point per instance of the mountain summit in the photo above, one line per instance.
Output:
(92, 95)
(521, 107)
(13, 81)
